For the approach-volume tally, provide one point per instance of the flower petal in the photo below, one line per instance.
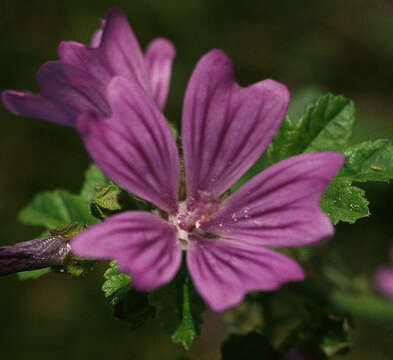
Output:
(35, 106)
(66, 92)
(144, 246)
(135, 146)
(72, 89)
(118, 53)
(384, 281)
(97, 36)
(225, 127)
(158, 58)
(224, 270)
(280, 206)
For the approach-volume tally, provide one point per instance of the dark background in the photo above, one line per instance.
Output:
(345, 47)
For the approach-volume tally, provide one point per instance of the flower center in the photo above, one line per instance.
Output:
(190, 216)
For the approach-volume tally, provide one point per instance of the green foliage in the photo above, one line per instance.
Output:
(59, 209)
(111, 200)
(179, 308)
(323, 335)
(302, 98)
(191, 319)
(94, 181)
(33, 274)
(343, 202)
(107, 201)
(129, 305)
(115, 282)
(369, 161)
(327, 126)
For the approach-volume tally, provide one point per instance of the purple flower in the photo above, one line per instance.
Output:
(77, 82)
(225, 129)
(383, 280)
(33, 254)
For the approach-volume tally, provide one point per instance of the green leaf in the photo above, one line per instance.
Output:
(129, 305)
(179, 308)
(95, 180)
(343, 202)
(327, 125)
(59, 208)
(362, 305)
(112, 199)
(301, 99)
(55, 209)
(337, 337)
(115, 281)
(193, 307)
(33, 274)
(133, 307)
(283, 144)
(323, 334)
(369, 161)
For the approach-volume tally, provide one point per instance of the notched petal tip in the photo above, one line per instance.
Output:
(281, 205)
(226, 127)
(224, 271)
(216, 58)
(275, 89)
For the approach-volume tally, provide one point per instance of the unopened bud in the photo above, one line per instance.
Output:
(33, 254)
(38, 253)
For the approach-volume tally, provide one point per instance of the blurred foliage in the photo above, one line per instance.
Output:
(179, 308)
(312, 46)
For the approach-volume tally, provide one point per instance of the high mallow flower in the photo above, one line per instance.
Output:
(383, 279)
(225, 129)
(77, 81)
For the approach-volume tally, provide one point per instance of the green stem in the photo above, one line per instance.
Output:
(362, 305)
